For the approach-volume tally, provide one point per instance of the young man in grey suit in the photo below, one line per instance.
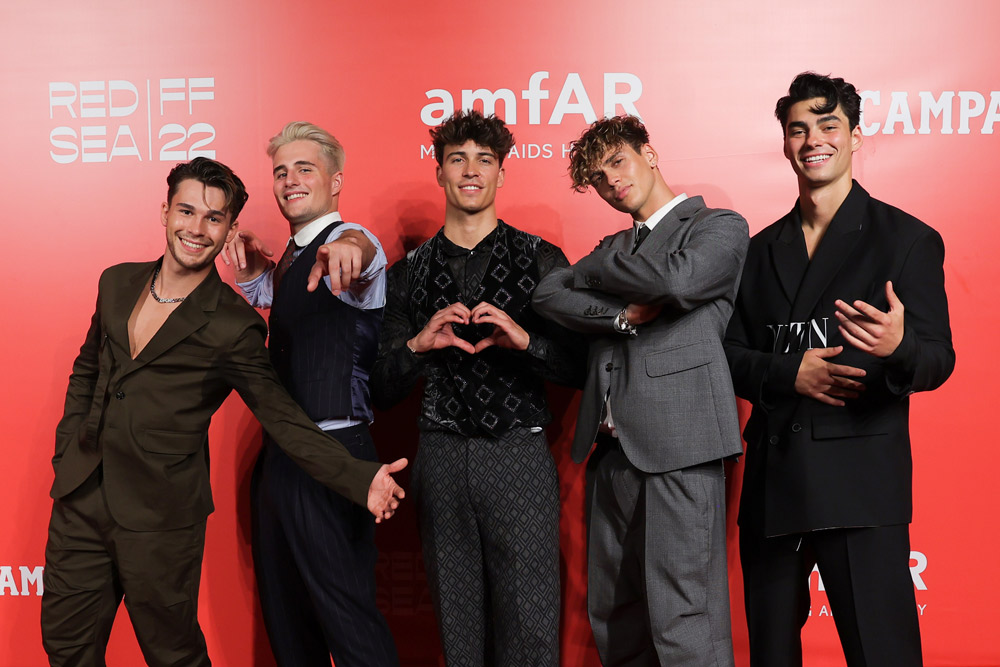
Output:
(821, 346)
(655, 300)
(167, 344)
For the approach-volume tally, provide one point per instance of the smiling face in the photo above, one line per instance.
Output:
(470, 175)
(820, 146)
(304, 185)
(628, 180)
(197, 227)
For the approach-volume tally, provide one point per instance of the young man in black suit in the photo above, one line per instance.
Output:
(823, 347)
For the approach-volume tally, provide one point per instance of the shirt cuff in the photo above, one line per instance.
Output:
(257, 291)
(621, 325)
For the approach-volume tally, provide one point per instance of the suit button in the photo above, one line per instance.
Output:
(609, 367)
(120, 395)
(796, 428)
(773, 440)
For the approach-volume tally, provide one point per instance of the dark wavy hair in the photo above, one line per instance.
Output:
(211, 174)
(603, 135)
(809, 85)
(488, 131)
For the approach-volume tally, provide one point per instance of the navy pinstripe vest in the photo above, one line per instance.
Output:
(322, 349)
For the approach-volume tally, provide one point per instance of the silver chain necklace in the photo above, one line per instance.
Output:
(152, 290)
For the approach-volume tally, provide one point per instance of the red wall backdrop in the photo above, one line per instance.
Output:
(99, 99)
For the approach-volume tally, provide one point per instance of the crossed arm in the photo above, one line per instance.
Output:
(701, 268)
(589, 295)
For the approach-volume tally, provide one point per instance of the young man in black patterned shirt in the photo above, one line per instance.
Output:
(458, 313)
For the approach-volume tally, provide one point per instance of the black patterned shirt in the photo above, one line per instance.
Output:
(554, 354)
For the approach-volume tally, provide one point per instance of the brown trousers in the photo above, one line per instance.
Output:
(91, 563)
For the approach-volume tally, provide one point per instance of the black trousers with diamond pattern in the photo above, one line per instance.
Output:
(489, 524)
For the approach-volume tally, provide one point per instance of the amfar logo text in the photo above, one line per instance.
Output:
(102, 121)
(918, 563)
(620, 92)
(30, 580)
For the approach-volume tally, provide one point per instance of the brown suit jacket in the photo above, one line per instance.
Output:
(145, 420)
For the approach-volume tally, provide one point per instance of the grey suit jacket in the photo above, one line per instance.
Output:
(145, 420)
(671, 394)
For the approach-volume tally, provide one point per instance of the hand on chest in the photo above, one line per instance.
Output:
(799, 313)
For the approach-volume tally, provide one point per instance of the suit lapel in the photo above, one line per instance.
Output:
(122, 300)
(185, 320)
(832, 253)
(788, 255)
(666, 229)
(624, 239)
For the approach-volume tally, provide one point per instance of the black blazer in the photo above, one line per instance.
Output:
(825, 466)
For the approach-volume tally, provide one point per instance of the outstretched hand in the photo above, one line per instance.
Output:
(342, 260)
(506, 332)
(869, 329)
(247, 254)
(827, 382)
(384, 494)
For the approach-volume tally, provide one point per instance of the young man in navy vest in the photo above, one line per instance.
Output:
(314, 553)
(820, 344)
(459, 314)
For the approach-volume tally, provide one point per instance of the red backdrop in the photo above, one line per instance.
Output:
(99, 99)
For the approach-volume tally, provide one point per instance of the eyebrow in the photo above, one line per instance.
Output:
(297, 163)
(479, 154)
(611, 157)
(190, 207)
(822, 119)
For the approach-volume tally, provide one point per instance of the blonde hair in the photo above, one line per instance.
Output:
(300, 130)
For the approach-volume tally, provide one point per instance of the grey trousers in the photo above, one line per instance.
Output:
(488, 511)
(658, 590)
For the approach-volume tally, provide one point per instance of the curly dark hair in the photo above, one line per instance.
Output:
(809, 85)
(603, 135)
(488, 131)
(210, 173)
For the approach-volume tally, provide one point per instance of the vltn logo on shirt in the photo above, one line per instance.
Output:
(792, 336)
